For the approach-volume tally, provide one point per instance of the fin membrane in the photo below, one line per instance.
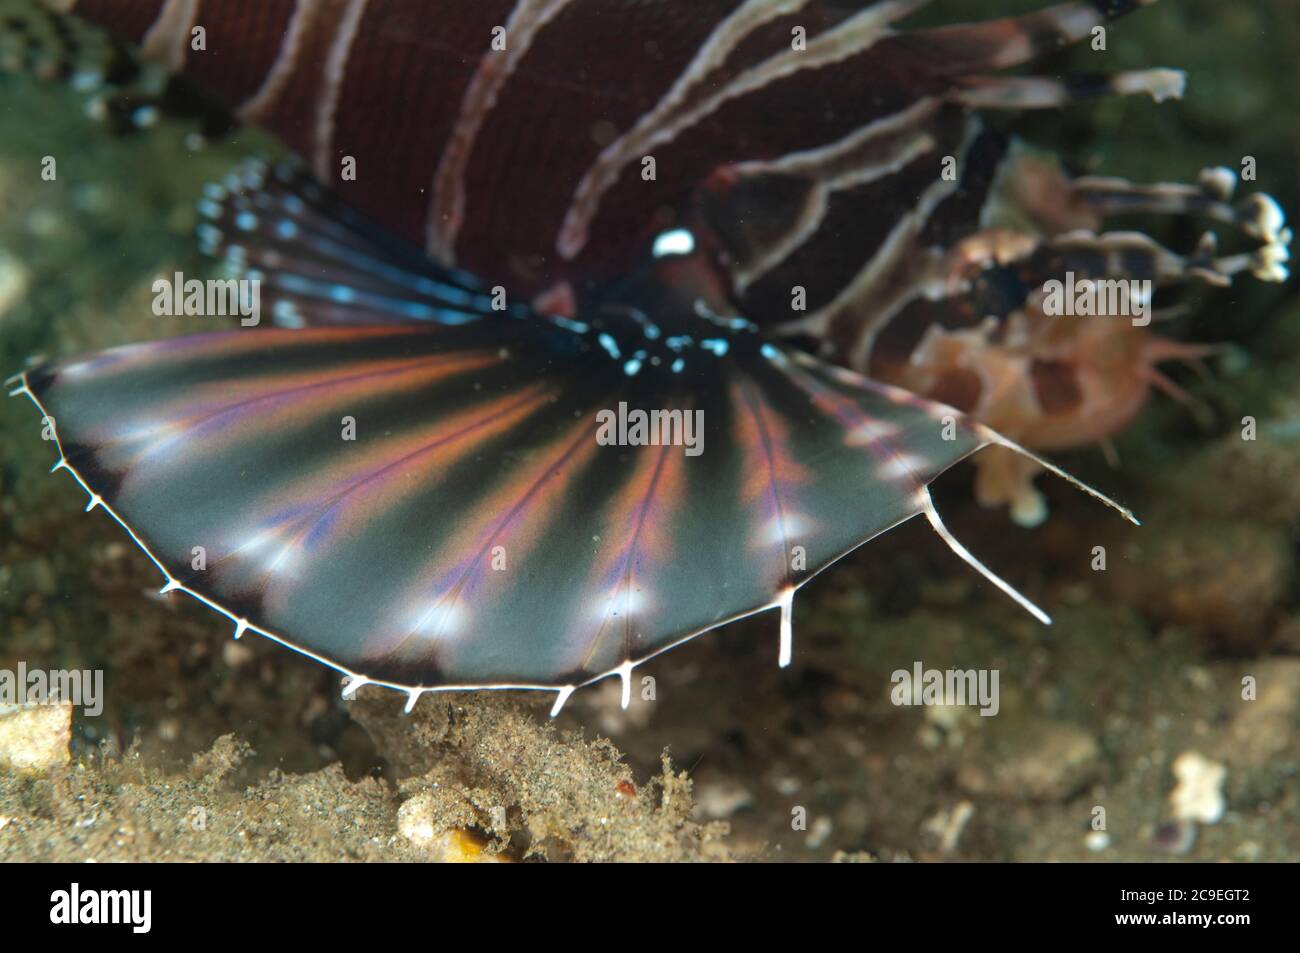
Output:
(504, 499)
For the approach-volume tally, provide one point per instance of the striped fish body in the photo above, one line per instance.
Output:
(540, 143)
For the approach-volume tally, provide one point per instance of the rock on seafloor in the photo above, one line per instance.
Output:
(1032, 759)
(34, 738)
(484, 773)
(418, 822)
(1198, 795)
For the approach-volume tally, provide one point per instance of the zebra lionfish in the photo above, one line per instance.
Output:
(511, 217)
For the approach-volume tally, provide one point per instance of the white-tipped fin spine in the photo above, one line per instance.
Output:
(993, 437)
(561, 696)
(932, 514)
(786, 650)
(625, 680)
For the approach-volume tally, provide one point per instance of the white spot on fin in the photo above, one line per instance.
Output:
(677, 241)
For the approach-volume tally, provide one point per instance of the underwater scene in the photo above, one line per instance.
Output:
(596, 430)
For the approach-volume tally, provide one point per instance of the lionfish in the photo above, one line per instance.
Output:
(509, 218)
